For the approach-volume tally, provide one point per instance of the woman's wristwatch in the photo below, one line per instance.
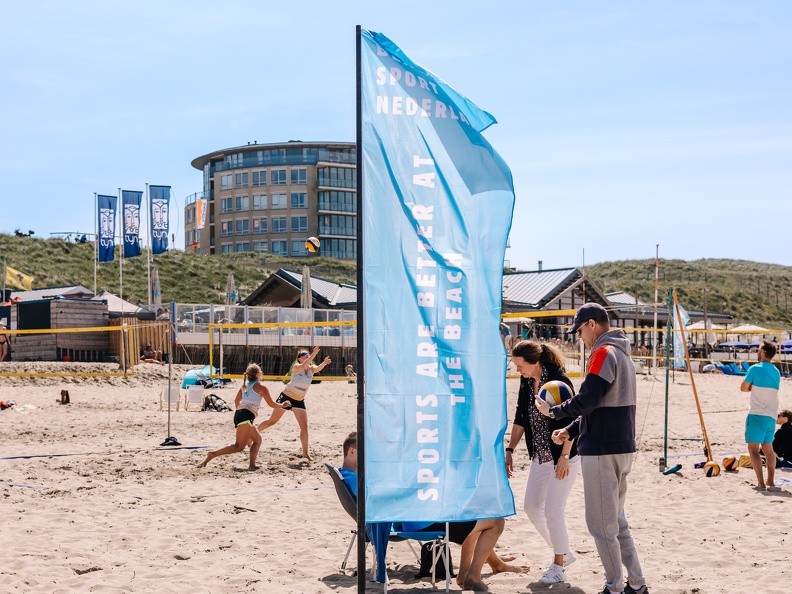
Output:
(565, 456)
(510, 450)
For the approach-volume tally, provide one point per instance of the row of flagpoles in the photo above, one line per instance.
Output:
(158, 199)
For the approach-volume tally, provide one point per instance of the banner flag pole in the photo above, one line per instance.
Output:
(361, 371)
(148, 254)
(96, 238)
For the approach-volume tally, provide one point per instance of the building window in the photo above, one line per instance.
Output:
(279, 225)
(235, 160)
(259, 226)
(241, 180)
(299, 200)
(337, 225)
(299, 177)
(225, 182)
(280, 248)
(298, 248)
(226, 205)
(299, 225)
(227, 248)
(278, 201)
(242, 227)
(242, 203)
(337, 201)
(190, 215)
(337, 177)
(259, 178)
(226, 228)
(339, 248)
(260, 202)
(243, 246)
(278, 177)
(260, 247)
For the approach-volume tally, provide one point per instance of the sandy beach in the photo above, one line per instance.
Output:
(92, 503)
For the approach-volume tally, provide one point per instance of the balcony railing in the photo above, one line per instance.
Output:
(343, 231)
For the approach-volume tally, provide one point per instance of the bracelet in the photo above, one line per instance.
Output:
(510, 450)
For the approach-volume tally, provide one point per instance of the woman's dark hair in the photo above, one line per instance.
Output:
(534, 352)
(787, 414)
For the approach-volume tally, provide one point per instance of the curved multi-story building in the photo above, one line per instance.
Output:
(269, 198)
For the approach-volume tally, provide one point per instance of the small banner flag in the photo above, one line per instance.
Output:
(131, 204)
(156, 288)
(200, 207)
(679, 342)
(438, 203)
(18, 279)
(107, 221)
(159, 198)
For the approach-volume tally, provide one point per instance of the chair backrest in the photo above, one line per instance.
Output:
(174, 393)
(348, 501)
(195, 394)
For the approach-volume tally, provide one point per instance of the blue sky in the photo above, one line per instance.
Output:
(625, 124)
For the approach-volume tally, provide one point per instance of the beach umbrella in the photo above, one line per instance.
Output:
(306, 295)
(231, 295)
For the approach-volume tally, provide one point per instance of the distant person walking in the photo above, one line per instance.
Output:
(763, 382)
(302, 372)
(604, 422)
(247, 403)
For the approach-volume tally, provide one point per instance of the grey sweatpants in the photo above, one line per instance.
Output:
(605, 489)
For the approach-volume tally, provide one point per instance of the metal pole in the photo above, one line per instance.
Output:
(664, 461)
(148, 255)
(361, 371)
(96, 237)
(121, 250)
(654, 327)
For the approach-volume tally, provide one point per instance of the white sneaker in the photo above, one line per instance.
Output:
(569, 558)
(553, 575)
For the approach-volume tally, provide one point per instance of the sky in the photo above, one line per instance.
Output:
(626, 125)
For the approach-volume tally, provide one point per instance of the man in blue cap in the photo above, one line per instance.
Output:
(604, 424)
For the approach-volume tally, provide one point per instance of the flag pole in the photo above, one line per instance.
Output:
(121, 250)
(664, 461)
(96, 237)
(148, 254)
(654, 333)
(5, 273)
(361, 371)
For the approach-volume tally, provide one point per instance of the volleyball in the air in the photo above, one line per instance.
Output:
(312, 245)
(711, 469)
(730, 463)
(555, 392)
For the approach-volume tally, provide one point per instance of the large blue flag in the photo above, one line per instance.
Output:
(131, 205)
(106, 205)
(438, 205)
(159, 200)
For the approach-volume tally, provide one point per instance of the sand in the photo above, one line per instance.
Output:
(91, 503)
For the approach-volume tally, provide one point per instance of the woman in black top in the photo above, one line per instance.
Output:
(782, 442)
(554, 468)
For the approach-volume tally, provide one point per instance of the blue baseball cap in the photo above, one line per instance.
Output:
(588, 311)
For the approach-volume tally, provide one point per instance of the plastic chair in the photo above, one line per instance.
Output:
(195, 395)
(745, 365)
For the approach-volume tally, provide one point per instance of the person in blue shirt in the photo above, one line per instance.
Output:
(763, 382)
(477, 538)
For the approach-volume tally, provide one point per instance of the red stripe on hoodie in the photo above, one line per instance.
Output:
(598, 358)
